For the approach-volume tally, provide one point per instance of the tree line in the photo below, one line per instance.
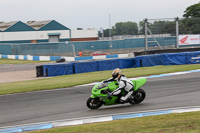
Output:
(190, 24)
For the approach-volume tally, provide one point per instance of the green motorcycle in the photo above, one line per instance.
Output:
(100, 92)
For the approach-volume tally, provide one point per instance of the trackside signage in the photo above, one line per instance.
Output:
(189, 39)
(195, 59)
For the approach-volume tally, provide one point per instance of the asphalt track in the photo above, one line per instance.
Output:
(18, 67)
(68, 103)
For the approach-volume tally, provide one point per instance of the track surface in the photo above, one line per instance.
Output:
(68, 103)
(17, 67)
(18, 72)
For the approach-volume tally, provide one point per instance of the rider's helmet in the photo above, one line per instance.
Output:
(116, 73)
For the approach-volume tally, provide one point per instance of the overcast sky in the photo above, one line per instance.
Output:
(91, 13)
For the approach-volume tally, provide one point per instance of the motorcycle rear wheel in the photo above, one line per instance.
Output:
(138, 96)
(94, 103)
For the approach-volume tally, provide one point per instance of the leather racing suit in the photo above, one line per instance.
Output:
(124, 83)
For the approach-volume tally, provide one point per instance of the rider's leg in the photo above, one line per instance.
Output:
(118, 94)
(126, 95)
(124, 98)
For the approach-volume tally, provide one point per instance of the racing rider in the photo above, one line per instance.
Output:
(124, 83)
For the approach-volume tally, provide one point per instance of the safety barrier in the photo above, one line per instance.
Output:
(55, 69)
(90, 64)
(168, 59)
(139, 61)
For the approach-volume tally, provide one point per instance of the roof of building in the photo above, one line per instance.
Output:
(31, 26)
(5, 25)
(37, 24)
(46, 25)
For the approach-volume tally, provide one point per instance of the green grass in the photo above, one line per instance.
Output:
(169, 123)
(83, 78)
(12, 61)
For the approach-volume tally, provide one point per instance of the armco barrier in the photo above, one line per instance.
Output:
(127, 63)
(108, 64)
(193, 57)
(65, 68)
(89, 66)
(168, 59)
(139, 61)
(55, 69)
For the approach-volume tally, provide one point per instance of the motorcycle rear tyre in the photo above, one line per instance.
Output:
(137, 99)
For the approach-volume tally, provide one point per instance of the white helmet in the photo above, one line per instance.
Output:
(116, 72)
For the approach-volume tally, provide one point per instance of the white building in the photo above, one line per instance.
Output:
(42, 31)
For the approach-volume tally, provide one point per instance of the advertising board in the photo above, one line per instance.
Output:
(189, 39)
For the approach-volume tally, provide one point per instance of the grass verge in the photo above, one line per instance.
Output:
(169, 123)
(12, 61)
(83, 78)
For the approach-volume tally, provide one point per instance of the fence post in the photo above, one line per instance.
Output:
(177, 32)
(73, 48)
(145, 29)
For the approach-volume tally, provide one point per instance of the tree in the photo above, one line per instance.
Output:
(141, 28)
(191, 24)
(125, 28)
(105, 33)
(192, 11)
(169, 28)
(159, 27)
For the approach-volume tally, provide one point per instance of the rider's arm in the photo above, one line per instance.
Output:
(108, 80)
(118, 90)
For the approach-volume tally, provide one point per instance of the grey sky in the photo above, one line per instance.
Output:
(91, 13)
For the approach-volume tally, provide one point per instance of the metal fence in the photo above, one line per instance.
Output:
(153, 34)
(173, 26)
(73, 48)
(151, 27)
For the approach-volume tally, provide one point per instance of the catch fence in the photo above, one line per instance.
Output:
(153, 34)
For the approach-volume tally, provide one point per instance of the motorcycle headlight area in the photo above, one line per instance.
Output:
(104, 91)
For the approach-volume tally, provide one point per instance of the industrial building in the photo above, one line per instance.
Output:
(42, 31)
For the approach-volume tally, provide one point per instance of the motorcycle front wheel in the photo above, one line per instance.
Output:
(94, 103)
(138, 96)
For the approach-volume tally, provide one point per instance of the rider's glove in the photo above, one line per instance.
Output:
(110, 94)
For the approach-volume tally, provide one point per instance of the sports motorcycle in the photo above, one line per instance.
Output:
(100, 95)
